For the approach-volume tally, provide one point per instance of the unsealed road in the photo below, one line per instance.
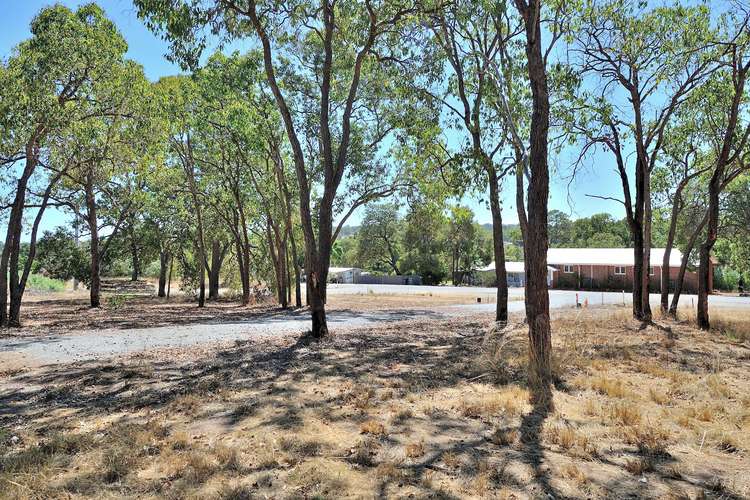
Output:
(100, 344)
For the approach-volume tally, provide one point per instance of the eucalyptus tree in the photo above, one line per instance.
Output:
(469, 44)
(378, 240)
(104, 184)
(725, 108)
(638, 65)
(44, 87)
(179, 105)
(332, 69)
(675, 185)
(532, 202)
(735, 240)
(246, 167)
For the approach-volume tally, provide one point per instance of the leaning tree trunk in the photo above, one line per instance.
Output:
(664, 279)
(12, 248)
(164, 259)
(14, 318)
(535, 261)
(683, 266)
(501, 308)
(704, 267)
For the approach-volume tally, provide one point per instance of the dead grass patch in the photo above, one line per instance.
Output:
(414, 450)
(609, 387)
(625, 414)
(400, 411)
(372, 427)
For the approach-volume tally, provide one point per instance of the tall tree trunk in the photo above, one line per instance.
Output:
(704, 266)
(501, 308)
(14, 317)
(638, 245)
(135, 257)
(536, 242)
(12, 248)
(241, 264)
(288, 279)
(95, 286)
(646, 277)
(189, 167)
(664, 279)
(295, 265)
(169, 279)
(164, 260)
(316, 296)
(683, 266)
(214, 270)
(718, 182)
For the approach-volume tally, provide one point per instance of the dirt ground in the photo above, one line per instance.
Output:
(67, 312)
(409, 410)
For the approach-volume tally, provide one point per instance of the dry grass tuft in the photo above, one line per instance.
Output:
(609, 387)
(227, 456)
(372, 427)
(570, 440)
(187, 404)
(414, 450)
(508, 402)
(657, 397)
(718, 387)
(388, 471)
(116, 464)
(639, 466)
(572, 472)
(179, 441)
(361, 397)
(401, 416)
(363, 452)
(235, 492)
(625, 414)
(451, 460)
(504, 436)
(651, 440)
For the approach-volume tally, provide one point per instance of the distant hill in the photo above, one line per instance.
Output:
(348, 231)
(506, 229)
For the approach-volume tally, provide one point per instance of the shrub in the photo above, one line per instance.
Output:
(39, 283)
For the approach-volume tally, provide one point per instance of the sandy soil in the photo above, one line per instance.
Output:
(409, 410)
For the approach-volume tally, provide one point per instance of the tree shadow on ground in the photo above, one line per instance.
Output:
(274, 382)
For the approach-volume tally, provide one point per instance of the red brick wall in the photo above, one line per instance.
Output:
(604, 277)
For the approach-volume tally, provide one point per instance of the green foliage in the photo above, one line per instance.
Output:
(60, 257)
(40, 283)
(726, 278)
(597, 231)
(378, 245)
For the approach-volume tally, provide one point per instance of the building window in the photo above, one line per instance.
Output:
(620, 270)
(650, 270)
(568, 269)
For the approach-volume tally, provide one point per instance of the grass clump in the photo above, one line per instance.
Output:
(372, 427)
(116, 464)
(609, 387)
(624, 414)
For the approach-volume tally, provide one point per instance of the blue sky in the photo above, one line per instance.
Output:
(597, 178)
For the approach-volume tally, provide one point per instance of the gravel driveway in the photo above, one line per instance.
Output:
(63, 348)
